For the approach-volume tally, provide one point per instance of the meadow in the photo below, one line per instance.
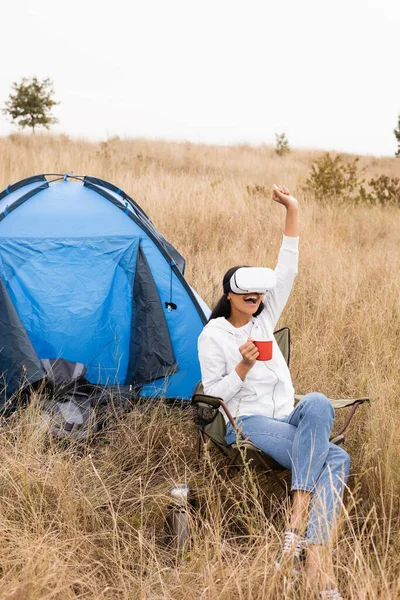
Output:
(89, 522)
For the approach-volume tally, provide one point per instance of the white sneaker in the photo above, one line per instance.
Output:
(292, 549)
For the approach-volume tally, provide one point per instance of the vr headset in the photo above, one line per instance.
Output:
(252, 279)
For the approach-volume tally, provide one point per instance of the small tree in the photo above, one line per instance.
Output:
(331, 179)
(397, 134)
(31, 103)
(282, 144)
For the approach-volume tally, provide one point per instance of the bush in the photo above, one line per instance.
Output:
(384, 191)
(332, 179)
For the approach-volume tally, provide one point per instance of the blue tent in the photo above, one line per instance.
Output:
(85, 276)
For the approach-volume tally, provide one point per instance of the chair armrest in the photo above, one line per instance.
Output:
(345, 402)
(210, 400)
(339, 402)
(217, 403)
(350, 415)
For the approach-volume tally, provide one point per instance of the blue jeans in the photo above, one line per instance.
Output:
(300, 442)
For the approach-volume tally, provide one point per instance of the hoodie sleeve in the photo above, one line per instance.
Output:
(286, 271)
(216, 381)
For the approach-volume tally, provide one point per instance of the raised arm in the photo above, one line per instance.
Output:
(286, 269)
(282, 195)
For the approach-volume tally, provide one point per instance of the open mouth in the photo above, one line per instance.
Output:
(251, 299)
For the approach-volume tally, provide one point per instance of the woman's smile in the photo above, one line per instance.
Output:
(252, 299)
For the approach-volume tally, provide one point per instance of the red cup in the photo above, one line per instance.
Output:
(265, 349)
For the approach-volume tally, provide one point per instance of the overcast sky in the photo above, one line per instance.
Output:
(214, 71)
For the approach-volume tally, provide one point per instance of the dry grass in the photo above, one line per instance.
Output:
(88, 523)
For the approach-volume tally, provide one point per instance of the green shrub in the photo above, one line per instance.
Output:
(384, 191)
(331, 179)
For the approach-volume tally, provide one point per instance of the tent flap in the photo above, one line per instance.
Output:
(19, 363)
(151, 353)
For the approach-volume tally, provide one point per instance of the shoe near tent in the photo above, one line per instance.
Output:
(85, 276)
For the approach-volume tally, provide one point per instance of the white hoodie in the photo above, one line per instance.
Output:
(267, 389)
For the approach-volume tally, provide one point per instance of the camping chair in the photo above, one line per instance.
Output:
(211, 425)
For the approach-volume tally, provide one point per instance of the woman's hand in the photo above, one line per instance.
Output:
(281, 194)
(249, 354)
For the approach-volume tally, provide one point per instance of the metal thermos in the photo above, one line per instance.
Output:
(178, 517)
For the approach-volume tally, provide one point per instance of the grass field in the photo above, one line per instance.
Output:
(90, 523)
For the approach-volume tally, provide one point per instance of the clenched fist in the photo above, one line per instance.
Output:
(281, 194)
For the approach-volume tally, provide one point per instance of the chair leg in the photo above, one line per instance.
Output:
(349, 417)
(200, 441)
(233, 459)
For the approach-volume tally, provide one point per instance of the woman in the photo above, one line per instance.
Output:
(260, 396)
